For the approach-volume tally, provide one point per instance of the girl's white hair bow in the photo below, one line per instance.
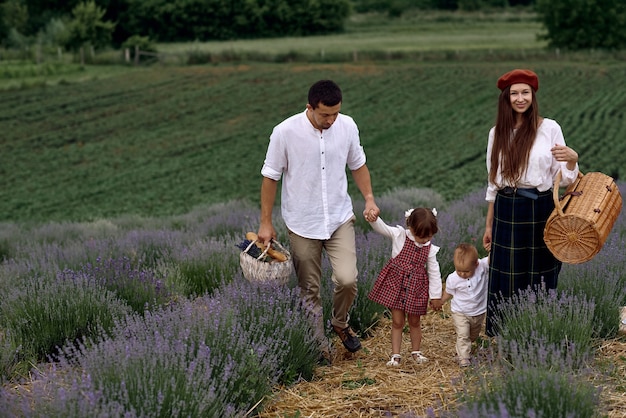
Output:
(408, 213)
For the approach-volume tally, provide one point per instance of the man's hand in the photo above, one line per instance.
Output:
(266, 234)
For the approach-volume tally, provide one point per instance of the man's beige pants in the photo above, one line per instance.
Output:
(307, 259)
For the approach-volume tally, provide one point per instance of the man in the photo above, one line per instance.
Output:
(310, 151)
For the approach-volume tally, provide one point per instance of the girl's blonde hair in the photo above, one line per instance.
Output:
(422, 222)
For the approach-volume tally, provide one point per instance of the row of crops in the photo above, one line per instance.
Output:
(160, 141)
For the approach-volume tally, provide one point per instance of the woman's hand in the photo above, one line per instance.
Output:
(487, 236)
(487, 240)
(563, 153)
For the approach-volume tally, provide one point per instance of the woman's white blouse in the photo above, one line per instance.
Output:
(542, 166)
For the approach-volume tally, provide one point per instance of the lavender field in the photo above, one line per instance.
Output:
(151, 317)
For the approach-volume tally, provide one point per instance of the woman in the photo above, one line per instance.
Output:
(525, 153)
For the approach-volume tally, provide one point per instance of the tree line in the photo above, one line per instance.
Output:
(73, 24)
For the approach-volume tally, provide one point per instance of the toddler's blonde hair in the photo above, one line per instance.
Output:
(465, 252)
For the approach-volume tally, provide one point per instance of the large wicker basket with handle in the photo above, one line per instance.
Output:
(256, 270)
(583, 218)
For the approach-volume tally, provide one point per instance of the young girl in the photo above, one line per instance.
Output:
(409, 277)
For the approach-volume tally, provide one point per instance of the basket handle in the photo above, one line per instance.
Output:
(267, 248)
(555, 192)
(263, 254)
(280, 247)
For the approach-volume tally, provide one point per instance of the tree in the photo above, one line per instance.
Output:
(183, 20)
(88, 28)
(54, 34)
(582, 24)
(13, 17)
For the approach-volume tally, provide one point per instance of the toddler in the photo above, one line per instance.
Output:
(467, 287)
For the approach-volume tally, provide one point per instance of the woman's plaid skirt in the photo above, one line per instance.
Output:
(519, 257)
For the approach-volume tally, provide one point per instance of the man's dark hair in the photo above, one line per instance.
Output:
(326, 92)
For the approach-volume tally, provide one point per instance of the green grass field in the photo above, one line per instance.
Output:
(415, 32)
(161, 140)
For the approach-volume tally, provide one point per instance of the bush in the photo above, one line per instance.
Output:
(533, 392)
(276, 320)
(140, 43)
(214, 356)
(41, 314)
(204, 266)
(190, 20)
(536, 318)
(140, 288)
(532, 379)
(602, 280)
(581, 24)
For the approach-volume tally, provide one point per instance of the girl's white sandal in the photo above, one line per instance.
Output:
(395, 360)
(418, 357)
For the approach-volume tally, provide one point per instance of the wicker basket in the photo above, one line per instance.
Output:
(257, 270)
(583, 218)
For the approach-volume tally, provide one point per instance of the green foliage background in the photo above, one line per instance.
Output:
(583, 24)
(160, 141)
(571, 24)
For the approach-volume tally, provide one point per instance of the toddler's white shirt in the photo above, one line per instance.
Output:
(469, 295)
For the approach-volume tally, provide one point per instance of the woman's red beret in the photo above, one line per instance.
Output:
(519, 76)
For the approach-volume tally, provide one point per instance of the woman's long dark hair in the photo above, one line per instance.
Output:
(511, 147)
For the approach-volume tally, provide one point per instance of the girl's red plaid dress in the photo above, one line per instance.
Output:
(403, 282)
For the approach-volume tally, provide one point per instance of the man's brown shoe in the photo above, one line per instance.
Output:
(348, 338)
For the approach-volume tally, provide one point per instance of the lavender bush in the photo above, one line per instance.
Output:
(203, 266)
(157, 365)
(277, 321)
(532, 392)
(535, 318)
(226, 220)
(373, 250)
(42, 314)
(213, 356)
(8, 358)
(140, 288)
(602, 280)
(543, 381)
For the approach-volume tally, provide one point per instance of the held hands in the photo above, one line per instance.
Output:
(371, 212)
(436, 304)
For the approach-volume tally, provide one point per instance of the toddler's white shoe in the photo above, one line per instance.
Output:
(395, 360)
(418, 357)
